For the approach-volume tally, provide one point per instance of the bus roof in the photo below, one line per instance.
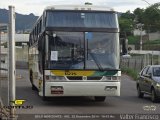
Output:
(79, 7)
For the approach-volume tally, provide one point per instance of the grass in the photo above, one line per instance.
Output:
(147, 45)
(131, 72)
(152, 45)
(133, 40)
(155, 47)
(153, 42)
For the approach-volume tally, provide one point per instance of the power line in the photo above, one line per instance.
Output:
(146, 2)
(150, 5)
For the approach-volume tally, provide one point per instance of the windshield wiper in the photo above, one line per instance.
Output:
(96, 61)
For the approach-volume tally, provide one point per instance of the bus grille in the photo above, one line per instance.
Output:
(94, 78)
(82, 78)
(74, 77)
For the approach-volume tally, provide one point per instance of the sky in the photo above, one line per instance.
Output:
(37, 6)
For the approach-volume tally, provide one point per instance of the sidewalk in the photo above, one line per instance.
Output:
(4, 113)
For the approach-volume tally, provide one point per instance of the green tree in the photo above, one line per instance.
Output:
(150, 17)
(139, 15)
(125, 25)
(126, 22)
(128, 15)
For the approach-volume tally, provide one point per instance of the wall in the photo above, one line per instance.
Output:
(154, 36)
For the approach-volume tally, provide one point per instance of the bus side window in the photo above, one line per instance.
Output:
(40, 55)
(40, 45)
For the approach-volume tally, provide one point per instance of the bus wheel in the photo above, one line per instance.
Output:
(34, 87)
(31, 80)
(100, 98)
(31, 76)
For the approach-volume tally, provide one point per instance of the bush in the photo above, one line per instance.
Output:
(132, 40)
(131, 72)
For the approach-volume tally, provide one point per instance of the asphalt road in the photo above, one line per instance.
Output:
(127, 103)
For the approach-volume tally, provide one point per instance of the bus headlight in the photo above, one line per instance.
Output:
(108, 77)
(55, 78)
(58, 78)
(114, 78)
(111, 78)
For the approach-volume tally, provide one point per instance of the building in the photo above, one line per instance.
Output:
(21, 49)
(137, 32)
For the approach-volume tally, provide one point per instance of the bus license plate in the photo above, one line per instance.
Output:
(56, 90)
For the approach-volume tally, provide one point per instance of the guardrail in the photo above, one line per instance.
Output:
(145, 52)
(137, 61)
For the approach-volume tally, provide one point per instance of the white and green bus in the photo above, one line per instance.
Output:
(75, 51)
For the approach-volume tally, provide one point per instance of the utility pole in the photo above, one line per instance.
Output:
(12, 72)
(0, 58)
(141, 36)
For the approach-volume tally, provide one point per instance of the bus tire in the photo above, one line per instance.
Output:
(31, 80)
(31, 76)
(34, 87)
(100, 98)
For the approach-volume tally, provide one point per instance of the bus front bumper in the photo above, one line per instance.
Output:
(82, 89)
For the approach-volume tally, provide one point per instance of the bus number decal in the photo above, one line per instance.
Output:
(70, 73)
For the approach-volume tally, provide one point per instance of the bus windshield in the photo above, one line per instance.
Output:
(81, 19)
(82, 50)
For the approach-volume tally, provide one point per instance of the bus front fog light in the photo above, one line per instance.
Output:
(110, 88)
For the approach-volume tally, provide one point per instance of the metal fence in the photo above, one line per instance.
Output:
(21, 62)
(22, 53)
(137, 62)
(3, 75)
(22, 57)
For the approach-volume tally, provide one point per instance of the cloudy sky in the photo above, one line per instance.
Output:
(37, 6)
